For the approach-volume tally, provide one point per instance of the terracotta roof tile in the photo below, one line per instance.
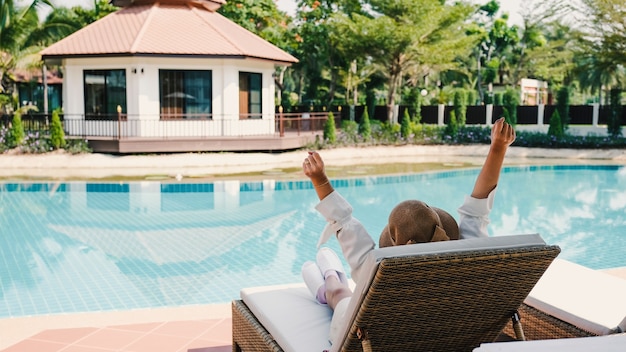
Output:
(52, 76)
(162, 29)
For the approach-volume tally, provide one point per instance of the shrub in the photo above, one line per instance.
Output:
(614, 127)
(411, 98)
(349, 131)
(365, 129)
(472, 97)
(556, 125)
(452, 128)
(16, 131)
(57, 135)
(385, 133)
(506, 114)
(427, 134)
(510, 101)
(405, 127)
(473, 135)
(460, 106)
(35, 143)
(498, 99)
(77, 146)
(330, 132)
(4, 136)
(562, 105)
(488, 98)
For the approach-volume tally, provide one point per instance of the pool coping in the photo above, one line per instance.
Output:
(14, 330)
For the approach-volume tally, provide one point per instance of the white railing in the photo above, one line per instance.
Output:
(124, 126)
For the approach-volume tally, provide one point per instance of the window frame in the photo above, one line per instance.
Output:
(109, 109)
(250, 95)
(183, 85)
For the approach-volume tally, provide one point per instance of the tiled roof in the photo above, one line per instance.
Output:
(166, 30)
(52, 76)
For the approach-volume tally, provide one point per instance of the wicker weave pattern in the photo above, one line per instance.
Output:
(248, 334)
(435, 302)
(541, 326)
(447, 302)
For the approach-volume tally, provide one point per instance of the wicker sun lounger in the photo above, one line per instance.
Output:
(444, 296)
(606, 343)
(571, 300)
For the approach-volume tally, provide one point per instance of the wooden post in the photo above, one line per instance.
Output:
(280, 121)
(119, 122)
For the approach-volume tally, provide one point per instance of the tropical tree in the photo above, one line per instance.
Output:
(16, 23)
(320, 60)
(600, 61)
(263, 18)
(404, 38)
(554, 61)
(535, 48)
(491, 56)
(10, 17)
(605, 20)
(23, 35)
(63, 21)
(594, 70)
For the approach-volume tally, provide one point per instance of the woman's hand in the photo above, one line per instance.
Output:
(502, 134)
(313, 167)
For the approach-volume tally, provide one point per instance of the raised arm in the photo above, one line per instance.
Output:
(313, 167)
(502, 136)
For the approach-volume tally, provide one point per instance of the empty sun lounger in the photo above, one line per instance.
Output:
(610, 343)
(571, 300)
(443, 296)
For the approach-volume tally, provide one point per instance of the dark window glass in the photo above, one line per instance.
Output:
(250, 105)
(105, 90)
(185, 94)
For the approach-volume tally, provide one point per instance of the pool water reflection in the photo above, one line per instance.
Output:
(79, 247)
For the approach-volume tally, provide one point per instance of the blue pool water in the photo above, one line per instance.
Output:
(82, 247)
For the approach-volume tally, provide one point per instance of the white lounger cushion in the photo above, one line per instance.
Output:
(611, 343)
(290, 313)
(298, 323)
(589, 299)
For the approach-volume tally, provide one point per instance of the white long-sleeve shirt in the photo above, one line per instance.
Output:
(356, 242)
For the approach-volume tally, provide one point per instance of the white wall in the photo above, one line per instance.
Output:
(142, 88)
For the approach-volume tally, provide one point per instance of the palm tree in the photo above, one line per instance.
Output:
(595, 70)
(15, 25)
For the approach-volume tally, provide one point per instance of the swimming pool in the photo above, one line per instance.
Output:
(84, 247)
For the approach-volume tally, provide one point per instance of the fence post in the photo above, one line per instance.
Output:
(280, 121)
(440, 114)
(119, 122)
(488, 114)
(541, 114)
(596, 114)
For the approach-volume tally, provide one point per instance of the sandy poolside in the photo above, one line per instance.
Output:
(339, 162)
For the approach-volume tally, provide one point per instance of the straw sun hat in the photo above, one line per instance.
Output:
(414, 221)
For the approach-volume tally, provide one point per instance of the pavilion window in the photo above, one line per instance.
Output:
(250, 102)
(185, 94)
(104, 91)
